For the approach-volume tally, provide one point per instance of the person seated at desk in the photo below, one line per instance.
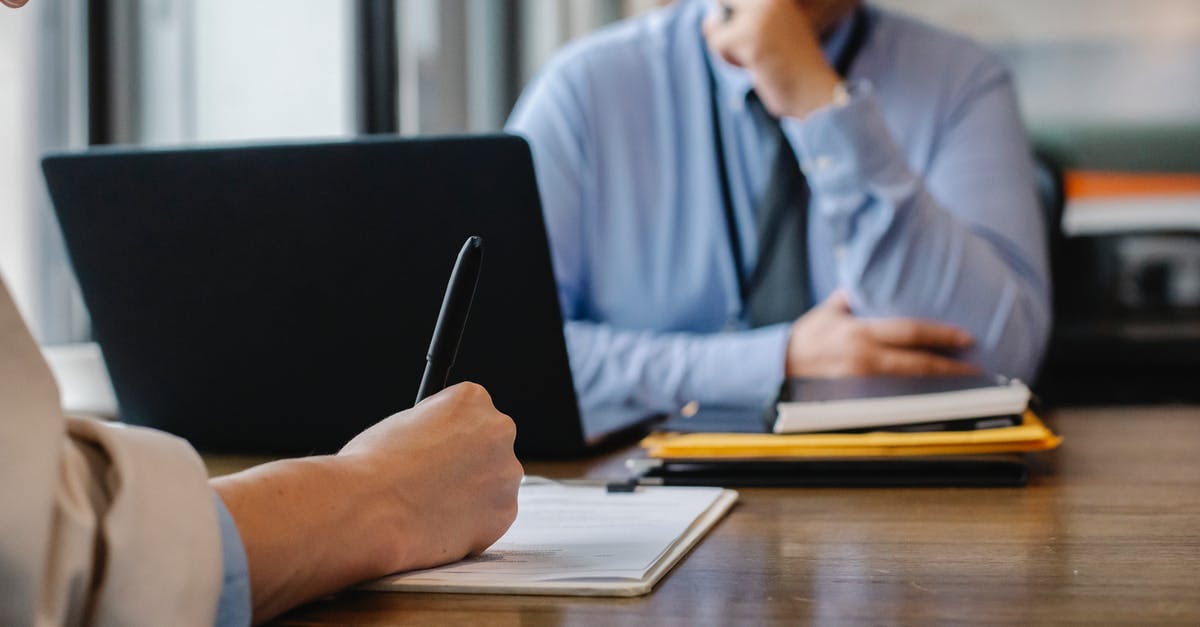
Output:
(111, 525)
(741, 191)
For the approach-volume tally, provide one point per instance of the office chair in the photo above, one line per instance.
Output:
(1051, 194)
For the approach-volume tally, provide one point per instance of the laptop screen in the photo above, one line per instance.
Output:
(279, 299)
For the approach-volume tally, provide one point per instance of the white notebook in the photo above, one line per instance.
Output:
(812, 405)
(581, 540)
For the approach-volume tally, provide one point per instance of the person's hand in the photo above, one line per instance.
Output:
(829, 341)
(776, 41)
(449, 464)
(427, 486)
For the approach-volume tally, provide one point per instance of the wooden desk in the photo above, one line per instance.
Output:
(1110, 533)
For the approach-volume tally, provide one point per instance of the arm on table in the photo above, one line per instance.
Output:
(964, 246)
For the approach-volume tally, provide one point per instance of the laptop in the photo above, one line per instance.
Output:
(280, 299)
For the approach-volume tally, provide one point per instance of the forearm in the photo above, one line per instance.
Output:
(663, 371)
(310, 527)
(953, 275)
(904, 253)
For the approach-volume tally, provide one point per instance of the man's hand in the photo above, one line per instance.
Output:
(776, 41)
(829, 341)
(426, 486)
(449, 463)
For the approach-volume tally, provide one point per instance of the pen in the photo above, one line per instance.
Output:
(452, 319)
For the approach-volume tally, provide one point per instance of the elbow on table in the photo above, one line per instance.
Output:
(1019, 349)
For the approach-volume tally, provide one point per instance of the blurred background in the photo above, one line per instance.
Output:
(1110, 90)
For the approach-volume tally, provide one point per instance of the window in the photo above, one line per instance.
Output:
(166, 72)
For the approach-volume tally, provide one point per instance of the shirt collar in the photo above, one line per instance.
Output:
(734, 83)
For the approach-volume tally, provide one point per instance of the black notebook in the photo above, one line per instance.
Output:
(1008, 470)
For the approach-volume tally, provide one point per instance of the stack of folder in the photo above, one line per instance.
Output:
(1029, 436)
(951, 452)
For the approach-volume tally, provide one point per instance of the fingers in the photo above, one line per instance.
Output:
(908, 333)
(918, 363)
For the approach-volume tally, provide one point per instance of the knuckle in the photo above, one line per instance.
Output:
(515, 471)
(508, 515)
(506, 427)
(860, 362)
(472, 390)
(856, 333)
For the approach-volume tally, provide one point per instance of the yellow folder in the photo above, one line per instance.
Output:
(1031, 435)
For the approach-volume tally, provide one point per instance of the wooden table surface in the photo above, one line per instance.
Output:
(1108, 532)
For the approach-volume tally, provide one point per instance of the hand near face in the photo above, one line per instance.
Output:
(829, 341)
(777, 42)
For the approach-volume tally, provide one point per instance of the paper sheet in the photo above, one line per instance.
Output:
(571, 533)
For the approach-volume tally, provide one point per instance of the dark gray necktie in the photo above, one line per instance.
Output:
(777, 290)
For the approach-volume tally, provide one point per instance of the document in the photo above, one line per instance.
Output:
(581, 540)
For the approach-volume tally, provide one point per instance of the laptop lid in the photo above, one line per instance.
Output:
(281, 298)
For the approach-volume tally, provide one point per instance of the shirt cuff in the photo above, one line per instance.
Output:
(848, 154)
(741, 369)
(233, 608)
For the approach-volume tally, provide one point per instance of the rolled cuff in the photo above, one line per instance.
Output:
(742, 369)
(233, 607)
(160, 532)
(848, 154)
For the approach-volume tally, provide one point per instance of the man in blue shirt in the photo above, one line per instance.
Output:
(662, 144)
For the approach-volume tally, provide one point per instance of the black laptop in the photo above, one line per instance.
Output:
(279, 299)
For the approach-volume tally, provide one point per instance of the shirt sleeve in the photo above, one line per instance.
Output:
(663, 371)
(658, 371)
(233, 606)
(963, 244)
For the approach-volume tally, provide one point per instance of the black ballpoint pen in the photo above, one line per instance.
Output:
(452, 319)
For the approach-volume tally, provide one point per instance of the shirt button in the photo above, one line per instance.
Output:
(823, 162)
(839, 252)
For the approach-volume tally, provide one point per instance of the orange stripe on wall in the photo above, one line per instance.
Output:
(1089, 184)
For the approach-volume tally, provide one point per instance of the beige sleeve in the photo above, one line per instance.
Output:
(99, 524)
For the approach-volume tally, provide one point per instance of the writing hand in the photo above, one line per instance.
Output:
(449, 462)
(426, 486)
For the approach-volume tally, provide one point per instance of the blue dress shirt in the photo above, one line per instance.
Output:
(923, 205)
(233, 608)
